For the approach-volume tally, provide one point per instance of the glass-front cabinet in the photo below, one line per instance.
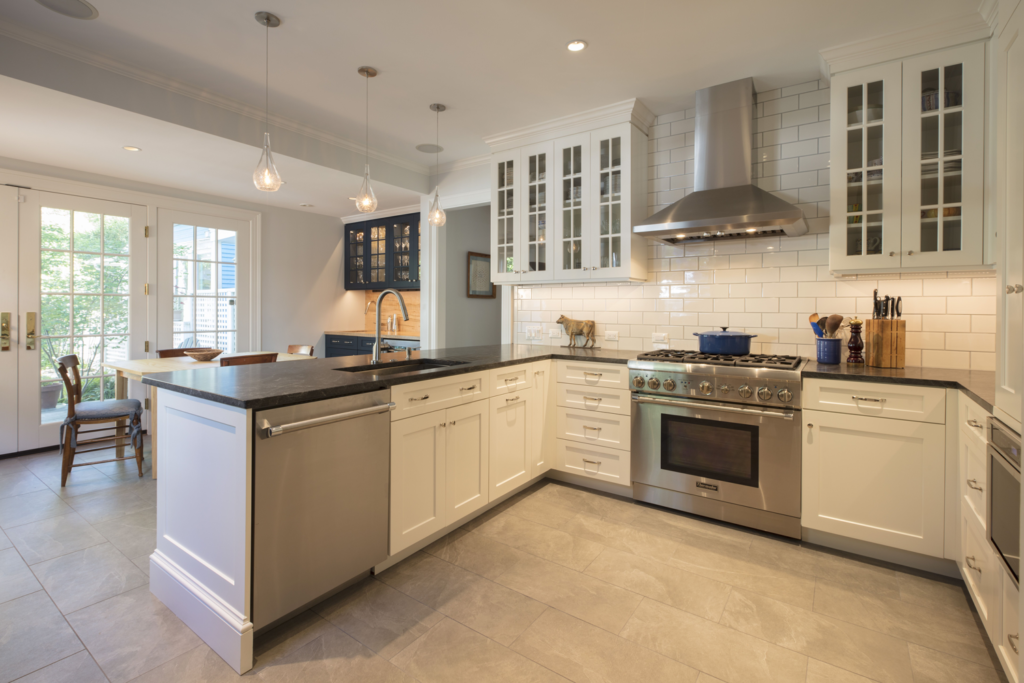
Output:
(563, 210)
(383, 253)
(907, 163)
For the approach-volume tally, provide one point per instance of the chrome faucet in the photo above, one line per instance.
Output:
(405, 316)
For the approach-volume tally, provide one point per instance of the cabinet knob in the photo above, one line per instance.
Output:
(910, 252)
(1017, 289)
(810, 425)
(892, 253)
(1009, 289)
(1013, 639)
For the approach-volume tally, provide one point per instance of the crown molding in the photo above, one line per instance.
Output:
(179, 87)
(946, 33)
(988, 10)
(461, 164)
(632, 110)
(383, 213)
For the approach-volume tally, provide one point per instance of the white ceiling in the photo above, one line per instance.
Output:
(498, 65)
(50, 127)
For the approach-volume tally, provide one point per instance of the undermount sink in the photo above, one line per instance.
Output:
(402, 367)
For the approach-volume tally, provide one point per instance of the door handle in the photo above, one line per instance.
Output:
(973, 484)
(1013, 639)
(974, 423)
(865, 398)
(270, 431)
(30, 331)
(970, 563)
(5, 331)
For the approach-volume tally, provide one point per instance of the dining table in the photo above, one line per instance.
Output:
(136, 369)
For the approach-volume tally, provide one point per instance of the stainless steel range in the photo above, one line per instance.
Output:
(719, 436)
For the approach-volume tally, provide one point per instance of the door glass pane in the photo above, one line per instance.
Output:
(855, 104)
(951, 182)
(954, 88)
(184, 241)
(115, 234)
(205, 285)
(874, 146)
(929, 137)
(929, 184)
(873, 241)
(952, 134)
(227, 245)
(854, 151)
(930, 90)
(88, 273)
(874, 189)
(55, 271)
(875, 103)
(206, 244)
(88, 232)
(605, 159)
(929, 231)
(56, 229)
(951, 233)
(605, 259)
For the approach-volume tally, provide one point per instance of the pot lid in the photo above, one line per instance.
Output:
(724, 333)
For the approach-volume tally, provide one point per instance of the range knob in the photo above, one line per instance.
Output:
(785, 395)
(669, 385)
(745, 391)
(706, 388)
(653, 383)
(724, 389)
(638, 382)
(764, 393)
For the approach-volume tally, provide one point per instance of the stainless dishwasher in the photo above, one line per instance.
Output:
(320, 506)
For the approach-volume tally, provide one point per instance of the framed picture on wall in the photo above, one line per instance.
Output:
(478, 276)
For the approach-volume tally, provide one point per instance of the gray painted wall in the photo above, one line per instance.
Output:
(303, 292)
(468, 322)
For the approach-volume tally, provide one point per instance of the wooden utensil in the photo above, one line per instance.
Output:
(832, 325)
(813, 319)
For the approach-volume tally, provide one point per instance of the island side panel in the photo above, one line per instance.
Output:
(201, 566)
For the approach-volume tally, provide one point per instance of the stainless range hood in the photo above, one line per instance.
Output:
(724, 202)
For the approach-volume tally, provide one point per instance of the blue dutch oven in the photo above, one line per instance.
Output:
(725, 342)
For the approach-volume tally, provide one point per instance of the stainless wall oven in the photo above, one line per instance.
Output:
(1004, 495)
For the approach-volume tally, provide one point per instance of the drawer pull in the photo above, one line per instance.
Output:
(970, 563)
(974, 423)
(586, 427)
(471, 387)
(422, 398)
(592, 462)
(1013, 639)
(863, 398)
(591, 398)
(595, 374)
(511, 379)
(973, 484)
(509, 400)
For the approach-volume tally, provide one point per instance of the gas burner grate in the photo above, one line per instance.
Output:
(759, 360)
(756, 360)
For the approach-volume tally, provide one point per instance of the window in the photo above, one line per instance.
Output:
(204, 288)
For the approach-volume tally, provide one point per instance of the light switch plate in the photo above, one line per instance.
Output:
(659, 337)
(555, 333)
(611, 335)
(533, 332)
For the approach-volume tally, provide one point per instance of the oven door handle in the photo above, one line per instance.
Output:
(682, 403)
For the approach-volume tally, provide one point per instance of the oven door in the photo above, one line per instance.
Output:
(1004, 510)
(746, 456)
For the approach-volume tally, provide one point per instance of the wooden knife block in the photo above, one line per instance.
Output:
(885, 343)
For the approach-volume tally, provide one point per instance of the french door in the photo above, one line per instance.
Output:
(203, 292)
(81, 266)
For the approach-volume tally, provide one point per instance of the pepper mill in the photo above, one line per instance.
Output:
(856, 344)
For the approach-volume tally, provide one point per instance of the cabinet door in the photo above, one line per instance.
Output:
(973, 484)
(572, 208)
(466, 460)
(875, 479)
(537, 207)
(611, 181)
(943, 164)
(355, 256)
(866, 167)
(1009, 644)
(542, 441)
(505, 232)
(510, 441)
(417, 479)
(982, 573)
(403, 260)
(1010, 218)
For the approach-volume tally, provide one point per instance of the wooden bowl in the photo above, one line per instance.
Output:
(204, 354)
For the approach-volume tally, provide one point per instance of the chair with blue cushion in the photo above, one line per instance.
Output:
(118, 412)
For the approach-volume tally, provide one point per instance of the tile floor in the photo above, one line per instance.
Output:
(555, 584)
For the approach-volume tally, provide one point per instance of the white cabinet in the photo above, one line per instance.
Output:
(1008, 644)
(511, 444)
(563, 206)
(467, 445)
(907, 170)
(974, 478)
(875, 399)
(1010, 218)
(982, 573)
(875, 479)
(542, 437)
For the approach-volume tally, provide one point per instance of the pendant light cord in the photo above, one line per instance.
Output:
(266, 120)
(437, 147)
(367, 119)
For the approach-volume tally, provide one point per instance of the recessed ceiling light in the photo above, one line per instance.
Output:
(76, 9)
(430, 148)
(132, 149)
(577, 45)
(308, 206)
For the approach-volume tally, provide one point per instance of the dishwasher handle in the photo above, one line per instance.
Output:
(327, 419)
(759, 412)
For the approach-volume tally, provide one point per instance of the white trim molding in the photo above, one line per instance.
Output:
(946, 33)
(461, 164)
(632, 110)
(384, 213)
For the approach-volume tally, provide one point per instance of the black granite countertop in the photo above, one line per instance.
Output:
(383, 334)
(979, 384)
(272, 385)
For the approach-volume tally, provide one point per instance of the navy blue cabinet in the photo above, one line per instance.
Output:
(383, 253)
(344, 345)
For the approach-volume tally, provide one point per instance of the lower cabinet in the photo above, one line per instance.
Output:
(511, 445)
(594, 462)
(1009, 644)
(982, 572)
(542, 438)
(439, 471)
(875, 479)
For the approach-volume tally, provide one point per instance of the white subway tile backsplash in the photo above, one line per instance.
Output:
(800, 274)
(814, 99)
(781, 105)
(779, 290)
(799, 149)
(746, 260)
(730, 276)
(782, 136)
(955, 360)
(713, 262)
(779, 259)
(762, 275)
(799, 117)
(985, 305)
(797, 180)
(814, 130)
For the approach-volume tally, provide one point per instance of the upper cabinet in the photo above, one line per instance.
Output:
(383, 253)
(907, 169)
(563, 205)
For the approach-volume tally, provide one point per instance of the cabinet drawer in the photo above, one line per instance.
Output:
(1009, 643)
(511, 379)
(607, 375)
(594, 399)
(422, 397)
(973, 418)
(599, 429)
(366, 343)
(334, 341)
(899, 401)
(595, 462)
(974, 478)
(981, 571)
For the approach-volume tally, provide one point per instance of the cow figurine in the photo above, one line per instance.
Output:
(575, 328)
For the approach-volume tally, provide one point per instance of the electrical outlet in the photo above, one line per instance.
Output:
(555, 333)
(533, 332)
(611, 335)
(660, 346)
(659, 337)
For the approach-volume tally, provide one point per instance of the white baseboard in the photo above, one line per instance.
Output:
(935, 565)
(232, 641)
(587, 482)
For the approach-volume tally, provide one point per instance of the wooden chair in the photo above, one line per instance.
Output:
(178, 353)
(95, 412)
(252, 359)
(300, 349)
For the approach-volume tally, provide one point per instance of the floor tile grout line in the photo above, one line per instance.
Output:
(84, 649)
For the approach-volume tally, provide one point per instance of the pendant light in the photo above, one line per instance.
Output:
(366, 201)
(265, 177)
(436, 217)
